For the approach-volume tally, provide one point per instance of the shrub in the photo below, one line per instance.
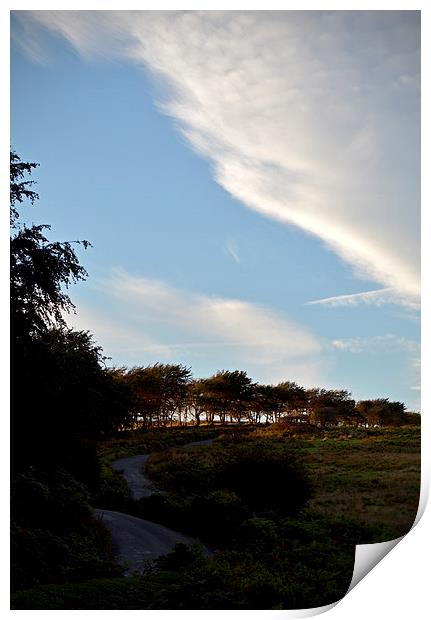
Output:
(48, 500)
(55, 537)
(266, 482)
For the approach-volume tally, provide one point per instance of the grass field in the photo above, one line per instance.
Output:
(372, 475)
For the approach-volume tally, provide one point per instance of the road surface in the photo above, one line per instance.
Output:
(132, 468)
(136, 541)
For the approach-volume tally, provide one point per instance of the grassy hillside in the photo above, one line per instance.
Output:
(373, 475)
(282, 507)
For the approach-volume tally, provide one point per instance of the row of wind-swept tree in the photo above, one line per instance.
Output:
(167, 394)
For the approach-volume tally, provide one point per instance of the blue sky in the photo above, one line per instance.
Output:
(228, 171)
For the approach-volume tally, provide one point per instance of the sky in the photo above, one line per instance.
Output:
(249, 181)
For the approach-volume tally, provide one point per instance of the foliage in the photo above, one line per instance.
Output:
(168, 395)
(143, 441)
(158, 393)
(276, 564)
(69, 401)
(62, 399)
(43, 359)
(20, 189)
(111, 491)
(39, 268)
(382, 412)
(212, 490)
(231, 580)
(61, 394)
(55, 537)
(227, 392)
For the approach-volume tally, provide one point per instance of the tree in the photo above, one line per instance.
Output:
(381, 412)
(158, 393)
(195, 405)
(330, 406)
(54, 371)
(39, 268)
(175, 380)
(20, 189)
(79, 396)
(227, 393)
(62, 399)
(267, 402)
(292, 399)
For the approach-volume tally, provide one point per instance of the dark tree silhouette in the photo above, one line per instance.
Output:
(20, 189)
(40, 269)
(159, 393)
(62, 399)
(52, 368)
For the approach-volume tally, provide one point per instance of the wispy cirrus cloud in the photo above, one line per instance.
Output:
(378, 297)
(376, 344)
(168, 324)
(309, 118)
(232, 249)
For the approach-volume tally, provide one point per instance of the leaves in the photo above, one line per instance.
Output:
(40, 269)
(19, 189)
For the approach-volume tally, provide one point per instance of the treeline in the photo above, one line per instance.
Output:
(168, 394)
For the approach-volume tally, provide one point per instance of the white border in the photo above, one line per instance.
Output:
(399, 585)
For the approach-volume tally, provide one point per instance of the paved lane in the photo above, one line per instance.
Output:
(136, 541)
(132, 468)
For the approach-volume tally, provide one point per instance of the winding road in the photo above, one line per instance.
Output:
(136, 541)
(132, 468)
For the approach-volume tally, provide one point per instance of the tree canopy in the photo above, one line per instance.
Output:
(40, 269)
(61, 392)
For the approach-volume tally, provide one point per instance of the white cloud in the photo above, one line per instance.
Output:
(310, 118)
(377, 298)
(115, 338)
(167, 324)
(376, 344)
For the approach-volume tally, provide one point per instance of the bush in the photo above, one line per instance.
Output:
(112, 492)
(49, 500)
(263, 475)
(265, 481)
(54, 536)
